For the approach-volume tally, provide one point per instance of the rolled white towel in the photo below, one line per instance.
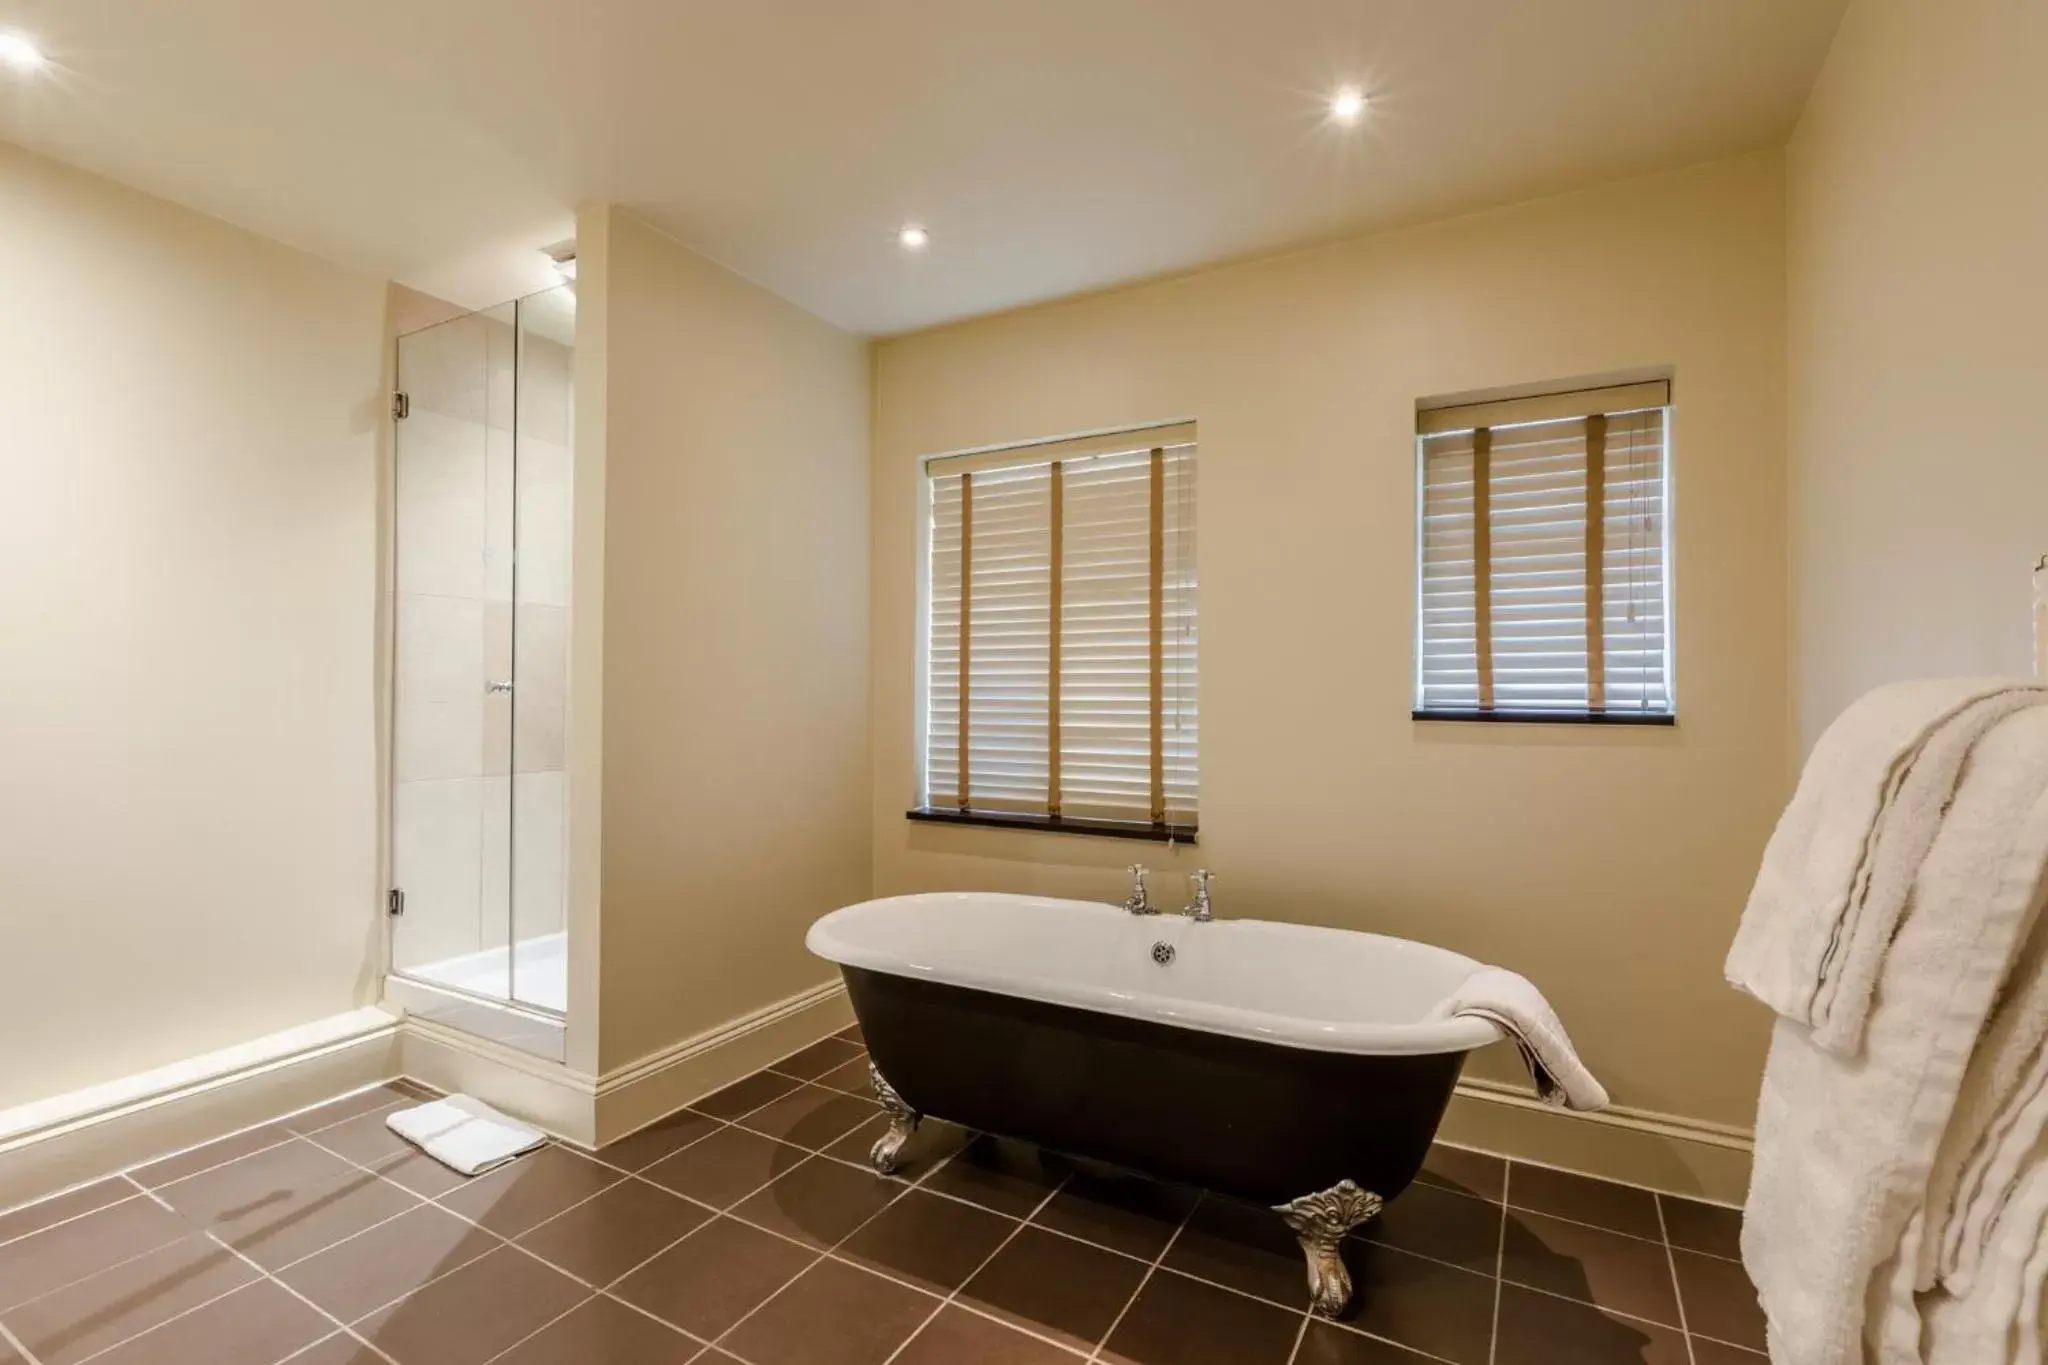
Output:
(1513, 1004)
(1835, 875)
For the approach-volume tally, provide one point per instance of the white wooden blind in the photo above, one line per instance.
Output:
(1080, 632)
(1543, 543)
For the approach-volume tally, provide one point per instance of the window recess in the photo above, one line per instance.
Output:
(1543, 547)
(1060, 671)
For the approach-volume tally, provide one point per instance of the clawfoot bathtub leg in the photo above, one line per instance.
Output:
(888, 1148)
(1319, 1222)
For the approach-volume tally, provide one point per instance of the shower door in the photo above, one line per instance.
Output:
(480, 603)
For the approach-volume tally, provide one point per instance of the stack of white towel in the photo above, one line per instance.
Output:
(1898, 1210)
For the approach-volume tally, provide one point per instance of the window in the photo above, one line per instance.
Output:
(1544, 553)
(1060, 659)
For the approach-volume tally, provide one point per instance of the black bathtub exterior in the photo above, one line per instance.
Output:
(1255, 1120)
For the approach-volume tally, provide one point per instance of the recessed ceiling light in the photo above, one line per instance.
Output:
(1347, 106)
(18, 52)
(913, 238)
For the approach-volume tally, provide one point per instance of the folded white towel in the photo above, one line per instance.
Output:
(1513, 1004)
(1999, 1320)
(2004, 1095)
(464, 1134)
(1845, 1148)
(1833, 884)
(1995, 1169)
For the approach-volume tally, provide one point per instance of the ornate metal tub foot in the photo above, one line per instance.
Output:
(1319, 1222)
(903, 1120)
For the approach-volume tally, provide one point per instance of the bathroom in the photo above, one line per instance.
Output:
(484, 580)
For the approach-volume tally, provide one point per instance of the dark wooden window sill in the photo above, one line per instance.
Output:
(1555, 717)
(1054, 824)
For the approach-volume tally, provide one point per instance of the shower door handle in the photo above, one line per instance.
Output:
(505, 686)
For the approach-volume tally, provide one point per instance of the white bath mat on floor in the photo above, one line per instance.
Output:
(464, 1134)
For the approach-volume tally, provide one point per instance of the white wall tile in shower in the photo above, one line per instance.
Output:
(439, 692)
(441, 526)
(544, 522)
(539, 834)
(539, 713)
(437, 839)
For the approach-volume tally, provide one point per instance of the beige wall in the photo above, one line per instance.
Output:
(188, 540)
(1610, 865)
(1919, 270)
(735, 640)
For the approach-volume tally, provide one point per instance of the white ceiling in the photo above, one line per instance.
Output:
(1051, 146)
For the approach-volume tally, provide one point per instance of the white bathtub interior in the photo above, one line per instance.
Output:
(480, 601)
(1296, 984)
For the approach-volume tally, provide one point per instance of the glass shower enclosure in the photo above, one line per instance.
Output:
(480, 583)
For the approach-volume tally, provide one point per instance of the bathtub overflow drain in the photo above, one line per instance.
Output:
(1162, 953)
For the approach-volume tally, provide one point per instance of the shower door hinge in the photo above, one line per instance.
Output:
(394, 901)
(401, 406)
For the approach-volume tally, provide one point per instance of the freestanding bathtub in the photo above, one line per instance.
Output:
(1281, 1063)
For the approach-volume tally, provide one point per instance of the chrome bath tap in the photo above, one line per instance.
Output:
(1199, 911)
(1139, 903)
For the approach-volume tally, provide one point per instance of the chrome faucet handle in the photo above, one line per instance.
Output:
(1139, 903)
(1199, 910)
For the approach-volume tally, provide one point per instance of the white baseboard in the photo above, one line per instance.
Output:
(633, 1096)
(590, 1112)
(51, 1144)
(548, 1095)
(1667, 1152)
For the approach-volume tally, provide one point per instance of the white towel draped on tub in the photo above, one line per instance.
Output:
(1836, 874)
(1519, 1010)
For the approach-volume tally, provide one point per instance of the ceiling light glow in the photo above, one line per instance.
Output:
(18, 52)
(1347, 106)
(913, 238)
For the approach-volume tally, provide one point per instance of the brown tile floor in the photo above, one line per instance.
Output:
(748, 1229)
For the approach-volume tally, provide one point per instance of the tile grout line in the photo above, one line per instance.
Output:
(1579, 1222)
(918, 1184)
(504, 1242)
(1598, 1179)
(261, 1275)
(1677, 1294)
(289, 1136)
(1150, 1271)
(968, 1306)
(1500, 1259)
(1587, 1303)
(823, 1256)
(420, 1201)
(1014, 1233)
(125, 1260)
(343, 1327)
(65, 1222)
(807, 1152)
(128, 1172)
(10, 1339)
(608, 1290)
(737, 1121)
(1596, 1227)
(1300, 1335)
